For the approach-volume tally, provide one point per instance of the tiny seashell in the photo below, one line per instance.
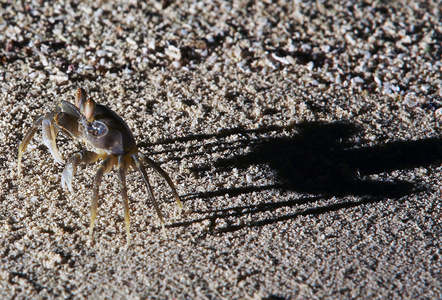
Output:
(151, 44)
(290, 59)
(176, 64)
(378, 81)
(411, 100)
(325, 48)
(59, 79)
(131, 41)
(425, 87)
(101, 53)
(357, 80)
(173, 52)
(282, 60)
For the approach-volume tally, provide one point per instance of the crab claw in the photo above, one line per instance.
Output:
(84, 156)
(49, 134)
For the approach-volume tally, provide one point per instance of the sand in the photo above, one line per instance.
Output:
(303, 139)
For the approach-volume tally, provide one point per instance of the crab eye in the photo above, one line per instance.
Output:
(89, 108)
(80, 98)
(97, 129)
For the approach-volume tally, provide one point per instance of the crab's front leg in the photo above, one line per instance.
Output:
(27, 139)
(49, 131)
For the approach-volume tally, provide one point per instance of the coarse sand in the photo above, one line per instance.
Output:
(302, 136)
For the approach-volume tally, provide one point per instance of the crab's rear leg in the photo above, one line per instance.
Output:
(123, 188)
(164, 174)
(104, 167)
(149, 190)
(84, 156)
(27, 139)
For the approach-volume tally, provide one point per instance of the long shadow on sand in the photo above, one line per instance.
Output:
(318, 159)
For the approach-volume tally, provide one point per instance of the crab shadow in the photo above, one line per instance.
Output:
(319, 160)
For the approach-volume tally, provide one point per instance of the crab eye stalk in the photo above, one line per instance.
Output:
(89, 109)
(80, 99)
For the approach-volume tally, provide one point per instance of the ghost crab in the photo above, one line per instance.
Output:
(110, 140)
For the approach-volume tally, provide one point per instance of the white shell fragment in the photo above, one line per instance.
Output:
(411, 100)
(173, 52)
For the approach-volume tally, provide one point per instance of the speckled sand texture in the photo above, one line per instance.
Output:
(303, 138)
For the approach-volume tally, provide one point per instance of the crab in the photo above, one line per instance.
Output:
(109, 139)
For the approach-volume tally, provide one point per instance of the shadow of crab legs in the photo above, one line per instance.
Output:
(71, 119)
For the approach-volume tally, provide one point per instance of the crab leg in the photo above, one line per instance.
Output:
(104, 167)
(86, 157)
(163, 173)
(149, 189)
(123, 188)
(27, 139)
(49, 134)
